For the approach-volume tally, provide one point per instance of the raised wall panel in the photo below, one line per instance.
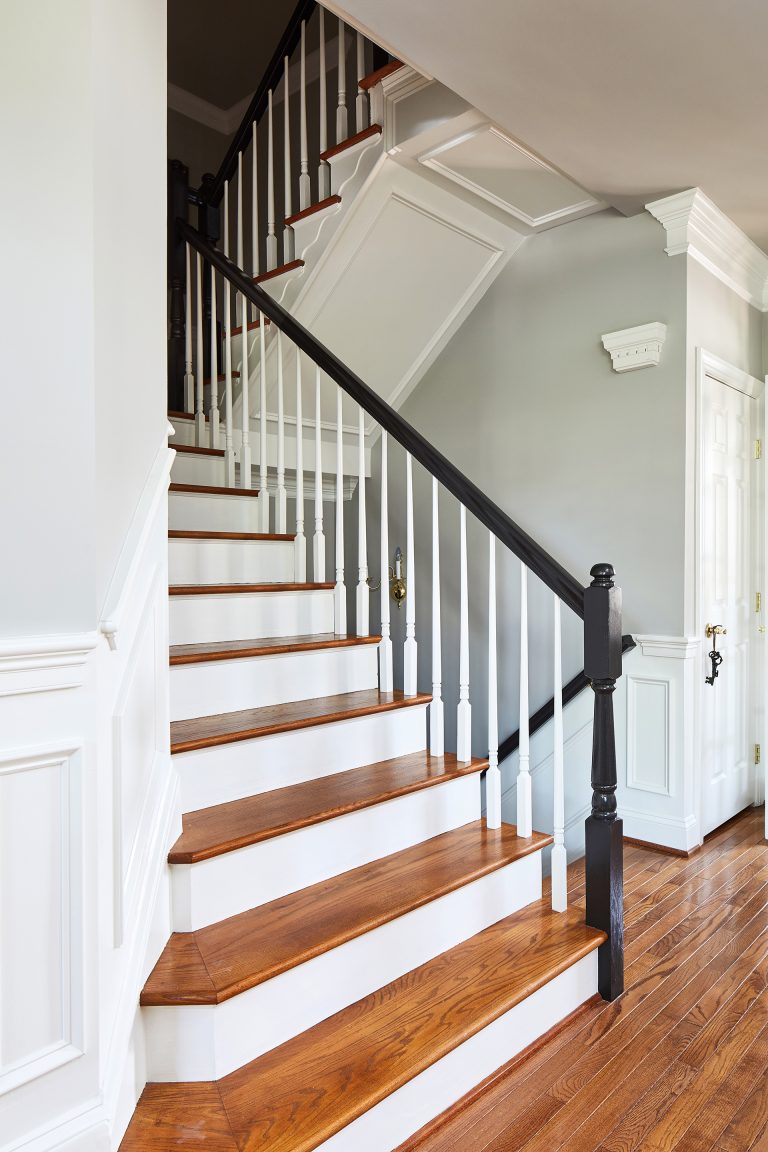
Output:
(648, 734)
(40, 914)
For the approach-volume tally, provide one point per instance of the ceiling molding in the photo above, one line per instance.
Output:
(697, 227)
(223, 120)
(632, 348)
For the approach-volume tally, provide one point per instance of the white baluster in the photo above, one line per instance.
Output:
(305, 189)
(386, 679)
(324, 171)
(464, 711)
(410, 651)
(363, 591)
(436, 715)
(263, 490)
(341, 109)
(559, 859)
(288, 248)
(361, 103)
(300, 542)
(189, 379)
(213, 414)
(318, 543)
(281, 500)
(271, 236)
(524, 802)
(255, 265)
(229, 443)
(199, 400)
(340, 595)
(493, 775)
(241, 305)
(245, 448)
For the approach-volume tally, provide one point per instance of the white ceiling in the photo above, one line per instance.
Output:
(632, 99)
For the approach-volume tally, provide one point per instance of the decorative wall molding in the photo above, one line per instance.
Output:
(44, 663)
(639, 347)
(385, 97)
(669, 647)
(697, 227)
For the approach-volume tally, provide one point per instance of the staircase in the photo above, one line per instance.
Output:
(359, 940)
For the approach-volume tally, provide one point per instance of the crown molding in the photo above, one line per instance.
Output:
(223, 120)
(695, 226)
(633, 348)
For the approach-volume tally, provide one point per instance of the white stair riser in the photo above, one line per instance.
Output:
(231, 771)
(198, 1042)
(236, 881)
(185, 433)
(199, 512)
(427, 1095)
(250, 615)
(308, 230)
(228, 685)
(189, 468)
(231, 561)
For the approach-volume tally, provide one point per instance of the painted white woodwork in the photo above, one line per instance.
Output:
(638, 347)
(492, 776)
(217, 775)
(318, 540)
(229, 441)
(310, 231)
(271, 234)
(233, 616)
(300, 542)
(200, 430)
(436, 712)
(263, 490)
(342, 130)
(361, 102)
(464, 710)
(190, 468)
(427, 1095)
(187, 1044)
(189, 379)
(211, 512)
(231, 561)
(305, 189)
(260, 681)
(410, 647)
(287, 202)
(241, 305)
(255, 234)
(210, 890)
(386, 676)
(697, 227)
(559, 861)
(524, 804)
(363, 591)
(340, 594)
(281, 498)
(213, 413)
(245, 441)
(324, 172)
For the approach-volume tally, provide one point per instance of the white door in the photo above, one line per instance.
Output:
(729, 524)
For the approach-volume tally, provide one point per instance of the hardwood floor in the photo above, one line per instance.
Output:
(678, 1062)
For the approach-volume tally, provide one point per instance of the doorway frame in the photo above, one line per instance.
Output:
(708, 364)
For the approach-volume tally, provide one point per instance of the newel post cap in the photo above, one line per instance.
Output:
(602, 625)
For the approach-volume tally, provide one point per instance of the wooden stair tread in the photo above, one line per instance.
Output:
(237, 823)
(320, 206)
(298, 1095)
(250, 723)
(221, 378)
(215, 963)
(193, 448)
(269, 646)
(235, 589)
(279, 271)
(374, 78)
(213, 490)
(253, 325)
(188, 534)
(173, 415)
(358, 138)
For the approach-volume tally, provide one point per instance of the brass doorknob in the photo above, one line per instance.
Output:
(715, 630)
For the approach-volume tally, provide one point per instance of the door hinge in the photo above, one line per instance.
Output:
(758, 449)
(757, 753)
(758, 601)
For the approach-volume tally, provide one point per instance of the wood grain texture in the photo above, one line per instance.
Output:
(374, 78)
(269, 646)
(313, 208)
(181, 415)
(289, 267)
(189, 534)
(252, 326)
(225, 827)
(250, 723)
(215, 963)
(366, 134)
(245, 589)
(213, 490)
(195, 451)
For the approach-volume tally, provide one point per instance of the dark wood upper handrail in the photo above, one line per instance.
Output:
(562, 583)
(255, 110)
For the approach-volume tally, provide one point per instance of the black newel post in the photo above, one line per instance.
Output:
(604, 831)
(178, 180)
(208, 224)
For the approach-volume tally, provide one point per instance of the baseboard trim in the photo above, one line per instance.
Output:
(664, 849)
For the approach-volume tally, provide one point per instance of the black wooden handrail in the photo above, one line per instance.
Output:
(567, 587)
(255, 110)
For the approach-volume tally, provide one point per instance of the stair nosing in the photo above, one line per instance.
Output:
(212, 490)
(305, 645)
(379, 917)
(197, 450)
(312, 210)
(193, 534)
(279, 271)
(246, 589)
(351, 141)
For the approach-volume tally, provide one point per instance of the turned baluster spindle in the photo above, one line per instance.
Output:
(271, 234)
(386, 679)
(318, 542)
(213, 414)
(340, 592)
(324, 171)
(281, 499)
(255, 262)
(559, 860)
(305, 190)
(341, 107)
(361, 103)
(189, 379)
(464, 710)
(493, 775)
(263, 489)
(436, 712)
(229, 442)
(410, 648)
(288, 251)
(300, 542)
(199, 364)
(524, 798)
(363, 591)
(245, 416)
(242, 305)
